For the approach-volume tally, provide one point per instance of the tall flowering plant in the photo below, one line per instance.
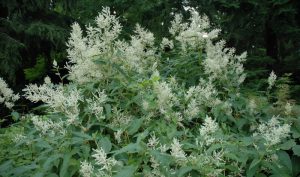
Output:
(130, 110)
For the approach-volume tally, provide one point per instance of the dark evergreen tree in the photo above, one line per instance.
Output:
(32, 32)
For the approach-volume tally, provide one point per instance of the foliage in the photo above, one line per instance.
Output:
(134, 108)
(37, 71)
(29, 29)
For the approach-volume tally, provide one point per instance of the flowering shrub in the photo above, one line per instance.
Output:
(7, 97)
(137, 108)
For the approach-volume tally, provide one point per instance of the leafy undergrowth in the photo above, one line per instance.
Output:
(134, 108)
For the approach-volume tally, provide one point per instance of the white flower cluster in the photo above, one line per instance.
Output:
(288, 108)
(214, 160)
(6, 95)
(192, 35)
(46, 126)
(155, 172)
(19, 137)
(252, 106)
(177, 152)
(207, 130)
(140, 52)
(120, 119)
(82, 50)
(153, 142)
(95, 104)
(223, 65)
(199, 96)
(102, 42)
(86, 169)
(59, 98)
(118, 135)
(82, 68)
(272, 131)
(166, 43)
(271, 80)
(101, 159)
(165, 98)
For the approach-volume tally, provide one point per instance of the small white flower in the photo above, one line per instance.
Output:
(192, 109)
(271, 79)
(101, 159)
(252, 105)
(54, 63)
(118, 135)
(86, 169)
(18, 137)
(177, 152)
(272, 131)
(166, 43)
(145, 105)
(208, 129)
(163, 148)
(47, 80)
(6, 95)
(288, 108)
(153, 142)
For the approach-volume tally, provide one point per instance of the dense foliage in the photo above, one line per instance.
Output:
(138, 108)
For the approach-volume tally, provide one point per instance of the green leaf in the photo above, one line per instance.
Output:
(50, 161)
(183, 170)
(127, 171)
(107, 110)
(260, 175)
(43, 144)
(39, 174)
(83, 135)
(22, 169)
(64, 168)
(288, 145)
(105, 144)
(162, 158)
(15, 115)
(284, 158)
(296, 150)
(5, 166)
(134, 126)
(253, 167)
(130, 148)
(38, 71)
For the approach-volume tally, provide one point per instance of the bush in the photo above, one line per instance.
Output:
(137, 108)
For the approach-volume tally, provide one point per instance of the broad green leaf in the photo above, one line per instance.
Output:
(43, 144)
(15, 115)
(130, 148)
(22, 169)
(183, 170)
(83, 135)
(64, 168)
(39, 174)
(296, 150)
(107, 110)
(163, 158)
(50, 161)
(105, 144)
(127, 171)
(253, 167)
(287, 145)
(134, 126)
(284, 158)
(6, 165)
